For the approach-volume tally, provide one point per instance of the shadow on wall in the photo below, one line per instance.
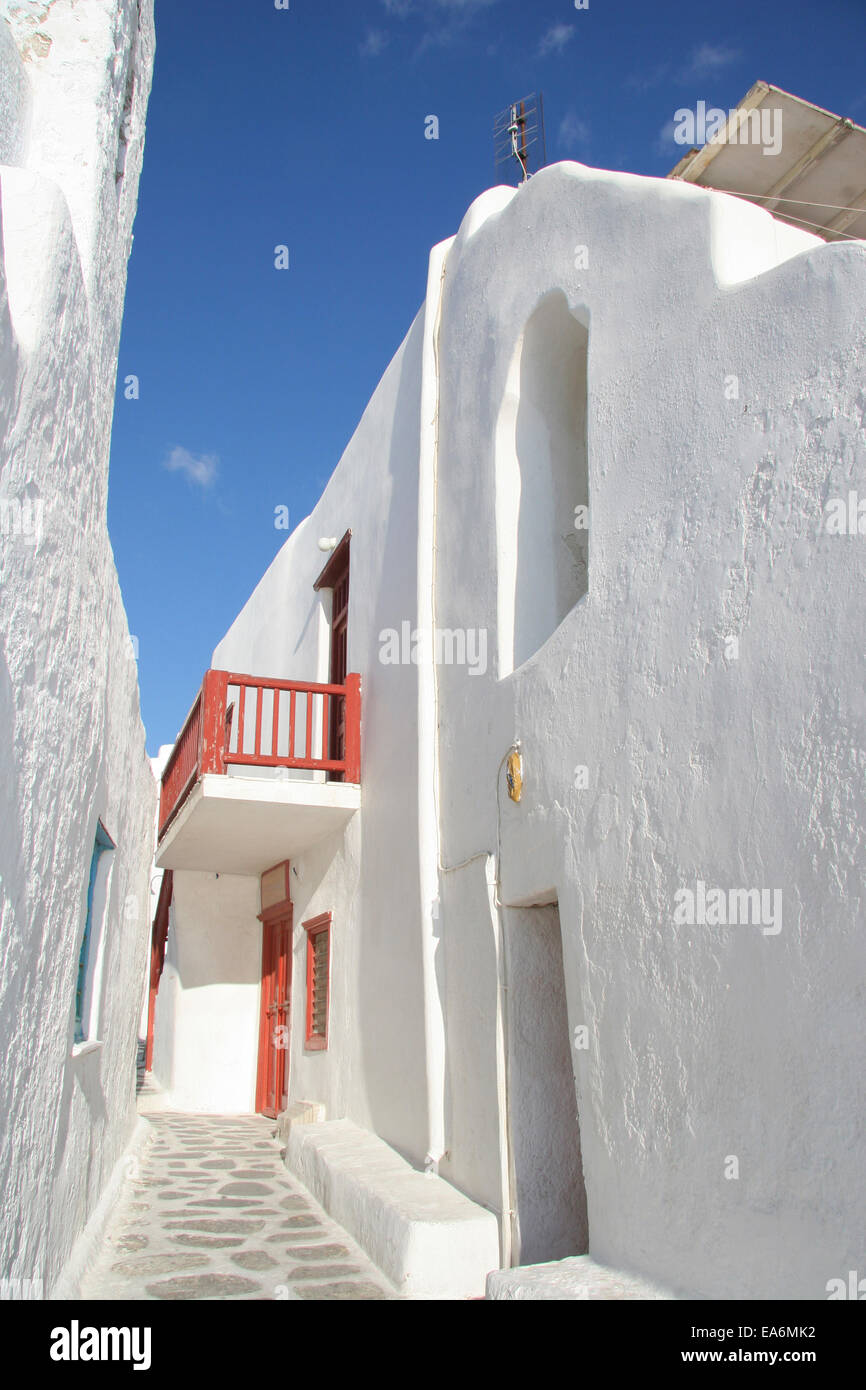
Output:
(390, 1025)
(214, 932)
(542, 483)
(549, 1192)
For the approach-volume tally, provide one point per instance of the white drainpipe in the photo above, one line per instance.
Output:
(428, 733)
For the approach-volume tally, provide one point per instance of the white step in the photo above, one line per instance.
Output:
(577, 1277)
(429, 1239)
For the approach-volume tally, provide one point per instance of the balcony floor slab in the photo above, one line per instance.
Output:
(243, 825)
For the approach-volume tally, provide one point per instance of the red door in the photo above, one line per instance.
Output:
(275, 1023)
(157, 958)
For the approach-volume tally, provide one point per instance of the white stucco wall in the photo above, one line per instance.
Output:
(742, 770)
(706, 523)
(72, 740)
(207, 1014)
(374, 1069)
(474, 998)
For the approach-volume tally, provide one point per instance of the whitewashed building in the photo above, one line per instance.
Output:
(519, 823)
(76, 791)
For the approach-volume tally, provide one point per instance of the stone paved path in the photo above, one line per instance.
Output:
(210, 1212)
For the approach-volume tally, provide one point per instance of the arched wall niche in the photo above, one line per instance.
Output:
(541, 480)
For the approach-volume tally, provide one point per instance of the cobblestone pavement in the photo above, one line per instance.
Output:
(210, 1211)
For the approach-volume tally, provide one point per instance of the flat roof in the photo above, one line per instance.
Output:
(817, 178)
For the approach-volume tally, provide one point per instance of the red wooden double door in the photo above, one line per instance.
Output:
(275, 1020)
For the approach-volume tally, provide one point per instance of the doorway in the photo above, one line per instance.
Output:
(272, 1088)
(549, 1197)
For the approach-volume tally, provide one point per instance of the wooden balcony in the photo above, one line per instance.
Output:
(259, 764)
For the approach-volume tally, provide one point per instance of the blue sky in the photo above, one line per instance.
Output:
(305, 127)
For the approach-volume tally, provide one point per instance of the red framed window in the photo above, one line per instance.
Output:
(318, 931)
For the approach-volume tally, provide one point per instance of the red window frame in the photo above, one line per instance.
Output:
(317, 1042)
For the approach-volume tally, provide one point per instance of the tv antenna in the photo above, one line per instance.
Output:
(518, 138)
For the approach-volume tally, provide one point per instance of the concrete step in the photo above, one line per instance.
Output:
(427, 1238)
(577, 1277)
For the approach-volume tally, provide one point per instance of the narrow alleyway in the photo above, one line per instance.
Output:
(209, 1211)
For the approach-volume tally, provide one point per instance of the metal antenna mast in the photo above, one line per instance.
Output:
(518, 139)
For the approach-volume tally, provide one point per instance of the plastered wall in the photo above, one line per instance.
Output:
(75, 80)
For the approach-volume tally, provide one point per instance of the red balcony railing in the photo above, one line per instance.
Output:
(249, 721)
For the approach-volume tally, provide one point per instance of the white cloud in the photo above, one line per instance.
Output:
(375, 43)
(402, 8)
(644, 81)
(443, 21)
(665, 144)
(555, 40)
(702, 62)
(573, 132)
(199, 469)
(709, 58)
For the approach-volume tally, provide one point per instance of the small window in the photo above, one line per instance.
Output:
(83, 988)
(318, 931)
